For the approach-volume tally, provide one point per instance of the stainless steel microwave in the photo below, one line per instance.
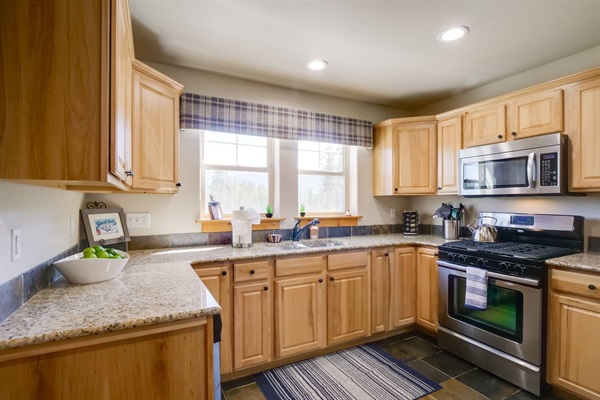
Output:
(531, 166)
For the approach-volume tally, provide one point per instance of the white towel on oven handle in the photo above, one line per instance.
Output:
(476, 290)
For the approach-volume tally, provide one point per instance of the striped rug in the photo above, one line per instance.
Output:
(360, 373)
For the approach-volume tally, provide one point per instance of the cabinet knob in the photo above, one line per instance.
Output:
(395, 189)
(331, 278)
(178, 184)
(591, 287)
(224, 273)
(439, 188)
(320, 280)
(499, 136)
(513, 133)
(435, 254)
(266, 288)
(386, 254)
(129, 173)
(252, 272)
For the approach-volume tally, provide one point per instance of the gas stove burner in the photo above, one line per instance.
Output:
(510, 249)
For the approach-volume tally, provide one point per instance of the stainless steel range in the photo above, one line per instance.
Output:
(507, 337)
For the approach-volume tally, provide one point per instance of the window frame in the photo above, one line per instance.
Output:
(203, 167)
(345, 173)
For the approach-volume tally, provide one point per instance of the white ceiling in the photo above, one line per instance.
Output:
(383, 52)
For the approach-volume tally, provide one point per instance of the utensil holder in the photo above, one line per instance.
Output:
(410, 222)
(450, 228)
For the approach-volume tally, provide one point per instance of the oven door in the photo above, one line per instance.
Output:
(512, 321)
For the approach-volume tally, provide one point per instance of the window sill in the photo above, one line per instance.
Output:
(224, 225)
(330, 221)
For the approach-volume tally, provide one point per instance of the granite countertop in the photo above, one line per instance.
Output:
(159, 286)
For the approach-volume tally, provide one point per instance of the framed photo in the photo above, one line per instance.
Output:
(105, 226)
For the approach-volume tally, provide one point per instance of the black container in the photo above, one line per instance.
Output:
(410, 222)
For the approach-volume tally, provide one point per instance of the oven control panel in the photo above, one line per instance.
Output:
(549, 169)
(499, 266)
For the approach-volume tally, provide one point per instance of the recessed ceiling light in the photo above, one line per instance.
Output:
(317, 65)
(453, 34)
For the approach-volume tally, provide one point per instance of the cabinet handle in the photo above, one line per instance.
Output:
(591, 287)
(435, 254)
(129, 173)
(178, 184)
(513, 133)
(499, 136)
(331, 278)
(320, 280)
(266, 288)
(252, 272)
(224, 273)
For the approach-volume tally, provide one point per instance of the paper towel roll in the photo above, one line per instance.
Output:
(242, 225)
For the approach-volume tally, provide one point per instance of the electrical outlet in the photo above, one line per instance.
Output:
(15, 244)
(138, 220)
(393, 213)
(71, 226)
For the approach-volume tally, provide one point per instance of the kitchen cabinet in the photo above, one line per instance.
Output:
(574, 333)
(155, 130)
(253, 314)
(348, 314)
(403, 287)
(449, 139)
(583, 129)
(165, 361)
(427, 288)
(67, 93)
(300, 305)
(380, 290)
(217, 279)
(536, 114)
(405, 157)
(486, 125)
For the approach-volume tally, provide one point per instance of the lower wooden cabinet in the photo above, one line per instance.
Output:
(574, 333)
(403, 287)
(217, 279)
(347, 297)
(300, 305)
(380, 290)
(427, 288)
(252, 314)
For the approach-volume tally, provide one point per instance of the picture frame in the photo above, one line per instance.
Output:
(105, 226)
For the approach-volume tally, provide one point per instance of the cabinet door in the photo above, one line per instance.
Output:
(122, 88)
(485, 126)
(299, 315)
(347, 305)
(383, 174)
(574, 345)
(583, 128)
(155, 131)
(536, 114)
(415, 158)
(449, 143)
(403, 287)
(252, 321)
(217, 279)
(380, 291)
(427, 289)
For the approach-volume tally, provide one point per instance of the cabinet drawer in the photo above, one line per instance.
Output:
(299, 266)
(577, 283)
(347, 260)
(248, 272)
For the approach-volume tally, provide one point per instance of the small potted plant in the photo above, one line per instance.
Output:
(269, 210)
(302, 210)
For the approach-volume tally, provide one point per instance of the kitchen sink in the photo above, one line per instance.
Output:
(312, 244)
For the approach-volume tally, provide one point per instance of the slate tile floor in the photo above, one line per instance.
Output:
(459, 379)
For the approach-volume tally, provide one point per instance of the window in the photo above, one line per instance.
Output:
(322, 177)
(236, 170)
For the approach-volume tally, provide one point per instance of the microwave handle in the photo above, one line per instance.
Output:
(531, 169)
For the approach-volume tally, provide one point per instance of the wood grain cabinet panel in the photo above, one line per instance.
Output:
(403, 287)
(449, 142)
(485, 125)
(536, 114)
(427, 288)
(380, 290)
(583, 128)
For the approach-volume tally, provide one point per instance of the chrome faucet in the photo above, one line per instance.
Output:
(297, 232)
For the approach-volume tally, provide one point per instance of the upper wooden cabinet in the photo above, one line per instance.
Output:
(583, 128)
(485, 126)
(60, 72)
(405, 157)
(449, 139)
(155, 130)
(536, 114)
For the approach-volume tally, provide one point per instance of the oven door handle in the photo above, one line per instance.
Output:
(531, 169)
(507, 278)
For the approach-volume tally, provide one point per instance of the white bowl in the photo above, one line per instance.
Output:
(90, 270)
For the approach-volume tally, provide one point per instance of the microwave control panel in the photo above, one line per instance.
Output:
(549, 169)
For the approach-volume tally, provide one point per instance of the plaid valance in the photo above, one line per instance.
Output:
(234, 116)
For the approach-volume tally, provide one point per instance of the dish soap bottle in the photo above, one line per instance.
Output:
(314, 232)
